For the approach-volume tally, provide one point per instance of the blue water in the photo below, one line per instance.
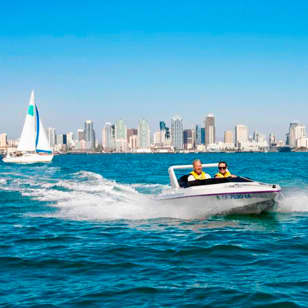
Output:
(83, 231)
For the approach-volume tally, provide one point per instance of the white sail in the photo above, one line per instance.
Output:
(28, 135)
(42, 140)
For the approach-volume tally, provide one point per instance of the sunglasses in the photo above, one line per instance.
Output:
(222, 168)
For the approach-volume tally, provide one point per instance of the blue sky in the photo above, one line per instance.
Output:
(244, 61)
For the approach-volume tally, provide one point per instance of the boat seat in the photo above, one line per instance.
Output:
(184, 183)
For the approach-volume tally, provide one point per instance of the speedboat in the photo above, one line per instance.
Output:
(238, 195)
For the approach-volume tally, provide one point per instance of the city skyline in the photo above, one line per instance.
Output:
(245, 62)
(201, 124)
(15, 131)
(118, 137)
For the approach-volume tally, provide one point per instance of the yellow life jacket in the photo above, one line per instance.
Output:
(201, 176)
(226, 175)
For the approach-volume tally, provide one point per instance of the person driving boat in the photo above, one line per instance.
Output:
(197, 173)
(223, 171)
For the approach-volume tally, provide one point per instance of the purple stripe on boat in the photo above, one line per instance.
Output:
(230, 193)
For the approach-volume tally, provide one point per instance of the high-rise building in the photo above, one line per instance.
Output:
(228, 136)
(164, 133)
(198, 135)
(61, 139)
(70, 139)
(188, 139)
(120, 136)
(210, 130)
(89, 134)
(162, 125)
(108, 137)
(80, 134)
(241, 134)
(202, 135)
(52, 137)
(133, 142)
(296, 131)
(177, 132)
(131, 132)
(144, 135)
(257, 137)
(3, 140)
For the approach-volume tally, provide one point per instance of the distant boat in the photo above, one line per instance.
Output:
(33, 146)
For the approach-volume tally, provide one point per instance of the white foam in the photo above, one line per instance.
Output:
(89, 196)
(293, 200)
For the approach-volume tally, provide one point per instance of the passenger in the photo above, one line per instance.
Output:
(197, 173)
(223, 171)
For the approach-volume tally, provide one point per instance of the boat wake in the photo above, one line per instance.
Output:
(293, 200)
(89, 196)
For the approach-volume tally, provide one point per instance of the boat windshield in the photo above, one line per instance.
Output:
(183, 182)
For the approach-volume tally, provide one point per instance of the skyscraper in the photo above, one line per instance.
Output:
(144, 135)
(177, 132)
(164, 133)
(241, 134)
(202, 135)
(80, 134)
(188, 139)
(120, 136)
(197, 135)
(296, 131)
(89, 134)
(61, 139)
(131, 132)
(70, 140)
(108, 137)
(228, 136)
(3, 140)
(210, 130)
(52, 137)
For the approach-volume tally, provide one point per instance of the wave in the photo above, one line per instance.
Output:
(87, 195)
(293, 200)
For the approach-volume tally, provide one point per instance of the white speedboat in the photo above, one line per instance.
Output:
(33, 146)
(219, 195)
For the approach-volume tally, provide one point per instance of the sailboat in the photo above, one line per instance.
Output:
(33, 146)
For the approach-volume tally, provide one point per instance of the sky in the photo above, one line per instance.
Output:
(244, 61)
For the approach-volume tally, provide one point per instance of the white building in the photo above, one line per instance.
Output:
(210, 130)
(133, 143)
(120, 136)
(228, 137)
(89, 134)
(70, 140)
(296, 131)
(241, 134)
(108, 137)
(3, 140)
(52, 137)
(144, 135)
(302, 142)
(177, 133)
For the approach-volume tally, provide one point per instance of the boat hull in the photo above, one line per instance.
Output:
(227, 199)
(28, 159)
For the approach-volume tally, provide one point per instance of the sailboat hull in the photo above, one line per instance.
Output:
(28, 159)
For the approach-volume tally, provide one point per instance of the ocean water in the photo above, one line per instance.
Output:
(84, 231)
